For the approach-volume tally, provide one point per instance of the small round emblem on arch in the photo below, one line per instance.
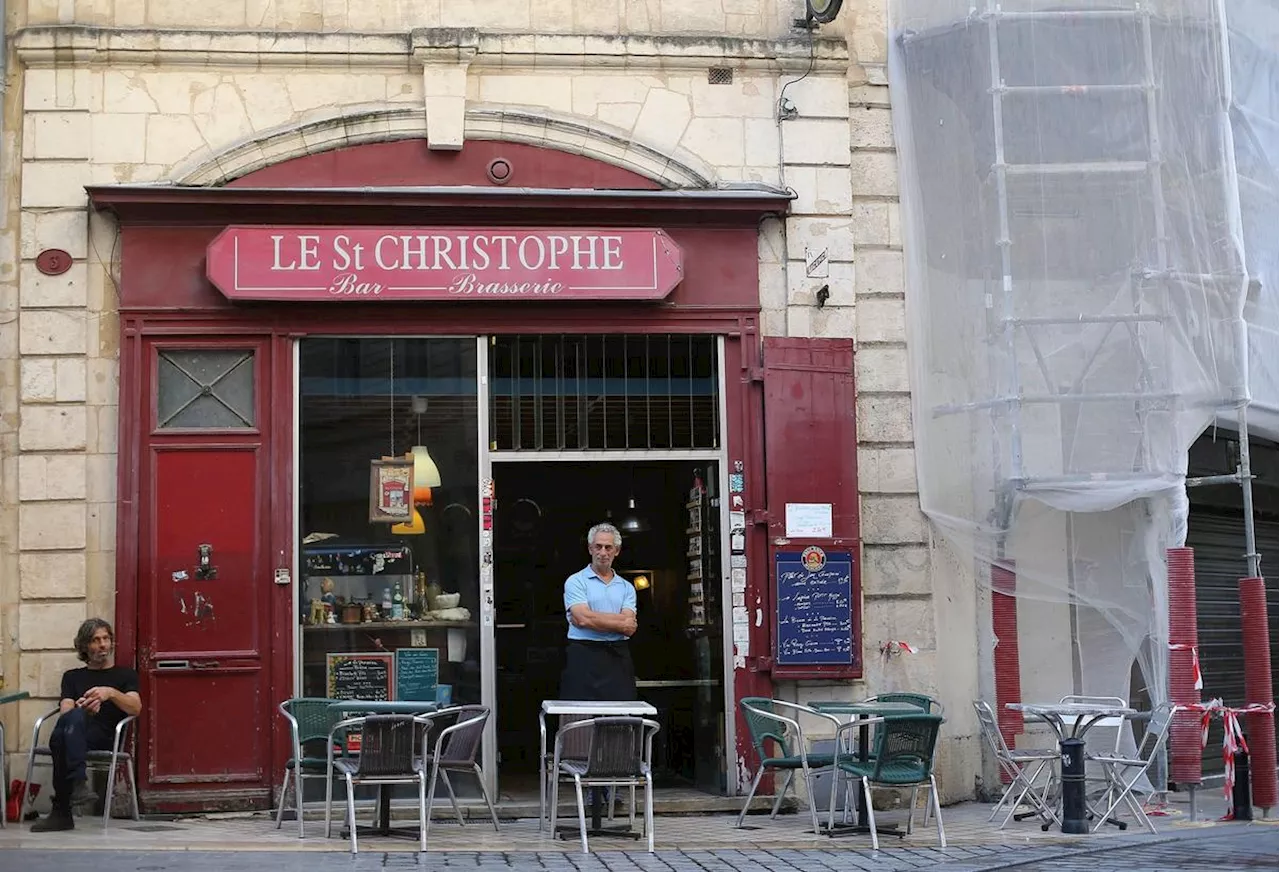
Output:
(499, 170)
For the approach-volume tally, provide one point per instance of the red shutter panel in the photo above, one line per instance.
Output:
(811, 462)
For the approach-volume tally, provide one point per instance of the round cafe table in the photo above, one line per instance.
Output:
(1082, 715)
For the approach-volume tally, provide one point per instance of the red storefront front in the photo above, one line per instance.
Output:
(287, 341)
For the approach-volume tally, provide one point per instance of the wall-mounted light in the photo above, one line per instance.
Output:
(641, 579)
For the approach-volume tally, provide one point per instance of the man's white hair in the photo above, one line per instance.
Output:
(604, 528)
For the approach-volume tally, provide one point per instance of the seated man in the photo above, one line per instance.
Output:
(95, 698)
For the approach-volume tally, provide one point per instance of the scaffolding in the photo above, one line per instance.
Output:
(1077, 286)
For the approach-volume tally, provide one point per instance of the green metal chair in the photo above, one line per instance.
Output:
(902, 757)
(767, 725)
(310, 721)
(927, 704)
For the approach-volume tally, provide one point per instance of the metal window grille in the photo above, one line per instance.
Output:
(604, 392)
(720, 76)
(205, 390)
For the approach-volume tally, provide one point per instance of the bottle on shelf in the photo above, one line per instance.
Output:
(386, 603)
(397, 605)
(420, 591)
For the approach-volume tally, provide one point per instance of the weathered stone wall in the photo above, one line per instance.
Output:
(160, 90)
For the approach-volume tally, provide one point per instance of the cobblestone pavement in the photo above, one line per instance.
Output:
(1233, 847)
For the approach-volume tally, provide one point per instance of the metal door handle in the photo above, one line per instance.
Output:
(173, 664)
(204, 664)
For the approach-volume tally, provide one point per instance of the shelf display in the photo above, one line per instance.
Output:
(360, 597)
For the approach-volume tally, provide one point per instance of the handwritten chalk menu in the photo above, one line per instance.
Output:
(815, 608)
(360, 676)
(417, 673)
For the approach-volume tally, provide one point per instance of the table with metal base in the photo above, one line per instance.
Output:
(1075, 804)
(382, 824)
(861, 711)
(583, 709)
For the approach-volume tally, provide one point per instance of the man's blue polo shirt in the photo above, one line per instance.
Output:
(585, 586)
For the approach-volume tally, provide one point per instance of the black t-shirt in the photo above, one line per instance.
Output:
(76, 681)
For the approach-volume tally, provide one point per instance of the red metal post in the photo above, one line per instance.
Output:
(1258, 688)
(1008, 670)
(1184, 737)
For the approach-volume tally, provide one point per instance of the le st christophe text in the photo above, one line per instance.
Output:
(462, 258)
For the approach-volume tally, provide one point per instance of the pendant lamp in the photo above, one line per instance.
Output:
(414, 528)
(426, 474)
(633, 521)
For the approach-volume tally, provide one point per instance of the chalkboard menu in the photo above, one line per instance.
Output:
(814, 608)
(364, 676)
(417, 673)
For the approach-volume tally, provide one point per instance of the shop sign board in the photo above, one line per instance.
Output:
(443, 263)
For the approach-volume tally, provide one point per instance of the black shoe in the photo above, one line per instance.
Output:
(57, 821)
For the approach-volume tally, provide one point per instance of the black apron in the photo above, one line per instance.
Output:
(598, 671)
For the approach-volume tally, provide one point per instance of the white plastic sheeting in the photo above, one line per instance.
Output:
(1082, 222)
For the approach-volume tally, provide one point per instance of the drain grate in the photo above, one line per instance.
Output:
(155, 828)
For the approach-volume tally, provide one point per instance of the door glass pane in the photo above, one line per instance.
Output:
(205, 389)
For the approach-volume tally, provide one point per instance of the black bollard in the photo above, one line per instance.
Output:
(1074, 807)
(1241, 794)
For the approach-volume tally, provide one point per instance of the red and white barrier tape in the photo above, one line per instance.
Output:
(1232, 737)
(1195, 661)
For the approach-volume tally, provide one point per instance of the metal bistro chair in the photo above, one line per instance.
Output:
(904, 750)
(767, 725)
(1116, 768)
(1021, 767)
(927, 704)
(455, 750)
(620, 752)
(310, 722)
(109, 760)
(388, 755)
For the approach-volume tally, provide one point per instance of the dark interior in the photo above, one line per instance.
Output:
(544, 512)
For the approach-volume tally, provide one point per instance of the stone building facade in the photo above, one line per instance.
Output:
(160, 91)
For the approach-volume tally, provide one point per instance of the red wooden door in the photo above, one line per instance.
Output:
(205, 575)
(811, 460)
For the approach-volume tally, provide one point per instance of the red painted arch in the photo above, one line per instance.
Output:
(409, 163)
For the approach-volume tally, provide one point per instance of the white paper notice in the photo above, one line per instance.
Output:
(808, 520)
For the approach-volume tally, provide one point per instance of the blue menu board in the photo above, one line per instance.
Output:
(417, 673)
(814, 616)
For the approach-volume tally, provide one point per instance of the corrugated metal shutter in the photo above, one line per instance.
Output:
(1218, 540)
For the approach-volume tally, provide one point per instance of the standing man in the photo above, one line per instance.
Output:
(95, 698)
(600, 607)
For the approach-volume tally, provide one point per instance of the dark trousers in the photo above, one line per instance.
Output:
(74, 735)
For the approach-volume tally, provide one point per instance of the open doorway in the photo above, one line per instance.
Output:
(669, 516)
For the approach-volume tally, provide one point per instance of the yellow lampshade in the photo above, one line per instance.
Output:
(425, 473)
(641, 582)
(413, 528)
